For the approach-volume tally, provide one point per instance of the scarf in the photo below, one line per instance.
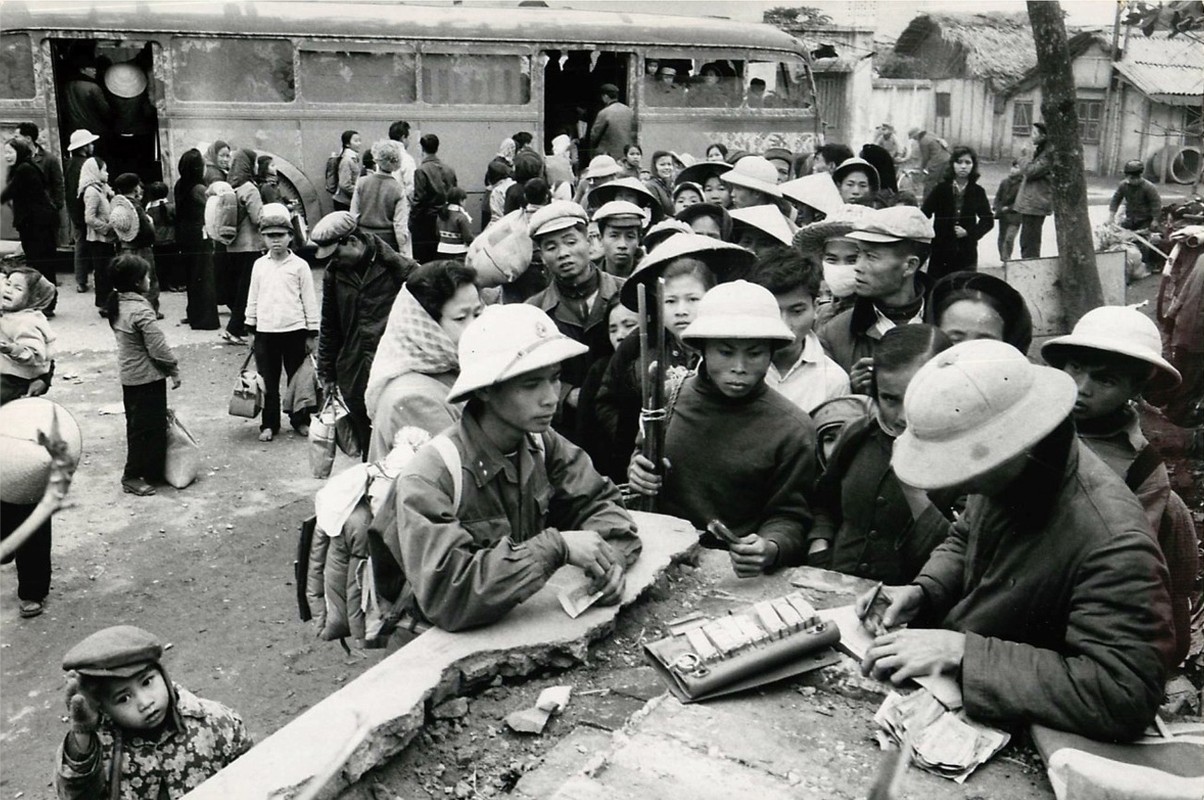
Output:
(39, 292)
(242, 168)
(412, 342)
(506, 150)
(89, 175)
(211, 155)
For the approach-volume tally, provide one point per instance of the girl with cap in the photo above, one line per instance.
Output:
(690, 266)
(736, 451)
(1114, 355)
(416, 361)
(1074, 589)
(856, 180)
(134, 732)
(146, 364)
(973, 305)
(863, 525)
(686, 194)
(488, 510)
(282, 313)
(961, 215)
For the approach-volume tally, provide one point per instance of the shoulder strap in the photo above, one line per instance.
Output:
(1142, 467)
(446, 448)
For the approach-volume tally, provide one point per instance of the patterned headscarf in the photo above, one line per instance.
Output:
(413, 342)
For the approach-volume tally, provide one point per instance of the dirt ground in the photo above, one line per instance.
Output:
(209, 569)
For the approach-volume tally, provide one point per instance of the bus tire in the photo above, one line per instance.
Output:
(301, 188)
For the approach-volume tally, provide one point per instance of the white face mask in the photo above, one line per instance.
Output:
(840, 279)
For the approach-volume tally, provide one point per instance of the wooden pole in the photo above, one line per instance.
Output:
(1078, 278)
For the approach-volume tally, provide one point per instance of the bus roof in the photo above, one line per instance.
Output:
(360, 20)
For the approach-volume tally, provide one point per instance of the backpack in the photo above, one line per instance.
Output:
(332, 172)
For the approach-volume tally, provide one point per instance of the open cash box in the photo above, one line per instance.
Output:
(766, 642)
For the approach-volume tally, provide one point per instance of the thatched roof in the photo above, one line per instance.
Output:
(994, 47)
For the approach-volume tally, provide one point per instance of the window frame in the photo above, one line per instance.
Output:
(34, 53)
(1027, 128)
(707, 55)
(257, 42)
(944, 99)
(357, 48)
(448, 49)
(1088, 124)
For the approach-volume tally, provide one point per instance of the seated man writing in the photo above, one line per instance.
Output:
(489, 509)
(1050, 594)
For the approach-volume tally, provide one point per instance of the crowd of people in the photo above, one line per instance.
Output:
(841, 389)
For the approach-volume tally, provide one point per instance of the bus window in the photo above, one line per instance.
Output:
(464, 79)
(233, 70)
(776, 84)
(16, 67)
(343, 77)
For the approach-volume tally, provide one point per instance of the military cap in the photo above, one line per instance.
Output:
(556, 216)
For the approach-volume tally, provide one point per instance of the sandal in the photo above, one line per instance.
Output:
(230, 338)
(137, 486)
(266, 435)
(32, 608)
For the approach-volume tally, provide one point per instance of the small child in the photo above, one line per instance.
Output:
(862, 523)
(162, 213)
(454, 226)
(1114, 355)
(146, 364)
(735, 451)
(25, 335)
(135, 733)
(1005, 210)
(282, 312)
(801, 371)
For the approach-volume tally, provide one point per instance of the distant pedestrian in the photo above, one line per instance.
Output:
(380, 203)
(348, 171)
(933, 153)
(1005, 211)
(196, 252)
(234, 281)
(97, 195)
(961, 215)
(282, 313)
(146, 364)
(81, 147)
(455, 226)
(431, 182)
(1142, 203)
(34, 215)
(46, 161)
(1035, 201)
(162, 213)
(134, 229)
(399, 132)
(614, 125)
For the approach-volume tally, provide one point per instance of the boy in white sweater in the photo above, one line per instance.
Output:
(282, 314)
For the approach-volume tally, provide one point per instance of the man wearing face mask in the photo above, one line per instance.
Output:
(363, 277)
(888, 288)
(827, 242)
(577, 298)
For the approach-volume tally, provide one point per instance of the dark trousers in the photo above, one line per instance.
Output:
(273, 351)
(1030, 235)
(145, 430)
(358, 412)
(239, 266)
(40, 243)
(424, 237)
(1007, 239)
(196, 256)
(33, 557)
(98, 255)
(82, 267)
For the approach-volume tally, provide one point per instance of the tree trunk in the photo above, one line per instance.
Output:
(1078, 278)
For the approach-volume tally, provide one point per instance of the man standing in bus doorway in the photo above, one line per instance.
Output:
(399, 132)
(85, 102)
(432, 179)
(613, 126)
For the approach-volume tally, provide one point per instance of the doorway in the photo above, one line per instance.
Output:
(108, 88)
(572, 79)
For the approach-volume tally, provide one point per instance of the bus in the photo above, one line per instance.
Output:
(286, 78)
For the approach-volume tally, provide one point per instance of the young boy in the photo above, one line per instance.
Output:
(282, 312)
(1114, 355)
(620, 228)
(801, 371)
(735, 450)
(889, 289)
(1005, 210)
(134, 733)
(489, 509)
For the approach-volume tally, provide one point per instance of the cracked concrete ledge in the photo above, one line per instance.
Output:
(391, 701)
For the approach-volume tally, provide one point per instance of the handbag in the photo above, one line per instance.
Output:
(182, 463)
(344, 429)
(247, 399)
(322, 439)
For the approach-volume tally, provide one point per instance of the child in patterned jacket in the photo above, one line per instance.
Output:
(134, 733)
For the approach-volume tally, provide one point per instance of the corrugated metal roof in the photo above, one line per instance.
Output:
(1169, 70)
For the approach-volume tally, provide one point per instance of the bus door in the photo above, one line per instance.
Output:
(572, 78)
(109, 87)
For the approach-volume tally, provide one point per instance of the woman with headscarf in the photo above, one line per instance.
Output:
(34, 215)
(96, 195)
(196, 253)
(497, 180)
(217, 162)
(416, 361)
(247, 245)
